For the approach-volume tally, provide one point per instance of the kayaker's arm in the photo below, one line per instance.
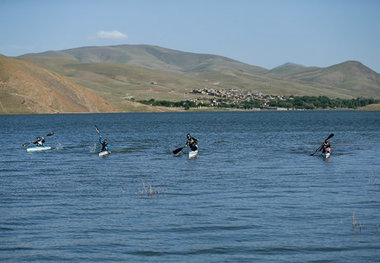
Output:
(100, 140)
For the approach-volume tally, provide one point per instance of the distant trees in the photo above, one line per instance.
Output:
(165, 103)
(323, 102)
(292, 102)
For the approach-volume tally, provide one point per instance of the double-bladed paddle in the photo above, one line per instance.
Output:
(27, 143)
(330, 136)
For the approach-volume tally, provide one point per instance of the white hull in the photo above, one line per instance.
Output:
(104, 153)
(193, 154)
(37, 149)
(326, 155)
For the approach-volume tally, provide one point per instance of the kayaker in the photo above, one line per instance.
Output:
(192, 142)
(325, 147)
(39, 141)
(104, 143)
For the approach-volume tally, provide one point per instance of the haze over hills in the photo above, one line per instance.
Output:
(122, 74)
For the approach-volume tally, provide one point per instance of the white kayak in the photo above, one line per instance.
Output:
(38, 148)
(104, 153)
(193, 154)
(326, 154)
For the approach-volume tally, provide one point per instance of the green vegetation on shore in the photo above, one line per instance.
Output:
(322, 102)
(291, 102)
(177, 104)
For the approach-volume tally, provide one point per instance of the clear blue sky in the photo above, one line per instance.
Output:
(264, 33)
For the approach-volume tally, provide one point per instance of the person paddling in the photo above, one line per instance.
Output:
(325, 147)
(39, 141)
(104, 143)
(192, 142)
(105, 146)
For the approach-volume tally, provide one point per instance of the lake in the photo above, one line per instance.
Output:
(253, 194)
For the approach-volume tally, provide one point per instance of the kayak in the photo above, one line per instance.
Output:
(193, 154)
(326, 153)
(104, 153)
(36, 149)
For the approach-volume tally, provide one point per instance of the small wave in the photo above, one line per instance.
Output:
(59, 146)
(92, 148)
(123, 150)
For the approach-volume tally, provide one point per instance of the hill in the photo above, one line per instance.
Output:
(180, 71)
(348, 77)
(289, 69)
(153, 57)
(371, 107)
(107, 79)
(28, 88)
(121, 83)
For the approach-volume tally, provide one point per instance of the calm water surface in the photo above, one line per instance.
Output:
(254, 194)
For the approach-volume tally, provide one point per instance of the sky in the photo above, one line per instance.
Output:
(265, 33)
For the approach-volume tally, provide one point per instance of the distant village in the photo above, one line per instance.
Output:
(237, 95)
(248, 99)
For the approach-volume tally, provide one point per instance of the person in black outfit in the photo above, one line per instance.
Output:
(39, 141)
(192, 142)
(325, 147)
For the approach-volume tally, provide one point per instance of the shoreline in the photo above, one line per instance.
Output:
(181, 110)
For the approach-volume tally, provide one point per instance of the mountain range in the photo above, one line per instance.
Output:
(110, 78)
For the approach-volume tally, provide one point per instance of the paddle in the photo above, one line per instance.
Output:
(49, 134)
(330, 136)
(179, 149)
(100, 136)
(97, 130)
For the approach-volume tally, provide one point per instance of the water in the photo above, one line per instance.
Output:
(254, 194)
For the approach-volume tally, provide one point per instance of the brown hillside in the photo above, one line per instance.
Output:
(28, 88)
(110, 72)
